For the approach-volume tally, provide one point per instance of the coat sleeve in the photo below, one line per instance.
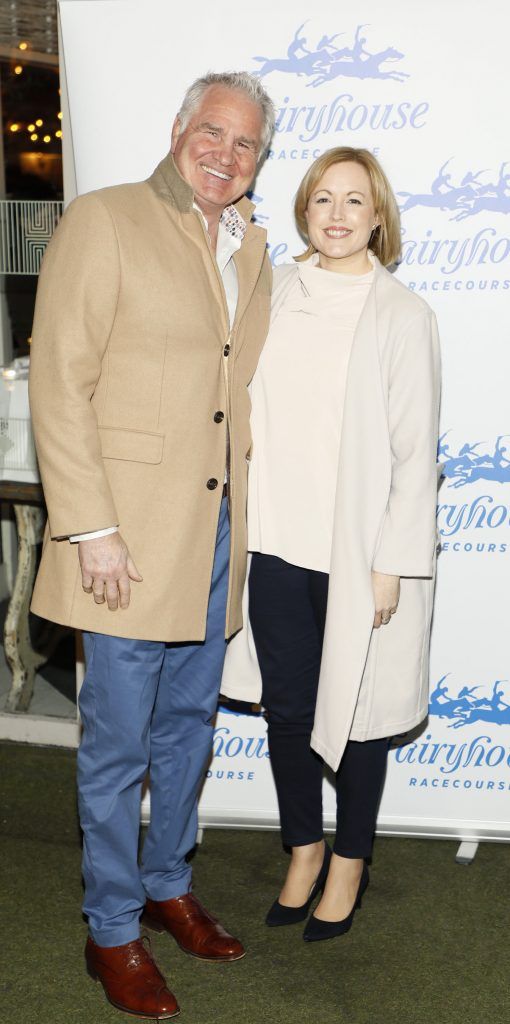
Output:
(408, 538)
(75, 309)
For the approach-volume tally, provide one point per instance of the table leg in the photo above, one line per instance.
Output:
(21, 657)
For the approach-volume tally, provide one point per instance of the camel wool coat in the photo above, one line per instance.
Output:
(374, 682)
(131, 352)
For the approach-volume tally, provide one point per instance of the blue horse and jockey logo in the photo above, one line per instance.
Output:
(465, 197)
(470, 464)
(325, 61)
(469, 705)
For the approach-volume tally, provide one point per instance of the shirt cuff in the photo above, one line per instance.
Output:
(93, 534)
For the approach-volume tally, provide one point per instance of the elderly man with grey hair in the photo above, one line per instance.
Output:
(152, 310)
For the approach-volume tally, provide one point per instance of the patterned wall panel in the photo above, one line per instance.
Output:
(32, 20)
(25, 230)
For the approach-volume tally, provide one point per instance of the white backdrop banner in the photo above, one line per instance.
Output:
(420, 91)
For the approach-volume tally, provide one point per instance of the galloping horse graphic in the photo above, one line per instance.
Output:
(467, 199)
(468, 465)
(295, 64)
(368, 67)
(465, 708)
(326, 62)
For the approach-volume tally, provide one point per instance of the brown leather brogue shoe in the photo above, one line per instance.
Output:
(194, 929)
(131, 979)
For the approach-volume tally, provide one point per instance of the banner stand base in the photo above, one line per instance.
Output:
(466, 853)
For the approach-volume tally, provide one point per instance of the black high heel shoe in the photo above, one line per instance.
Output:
(316, 930)
(279, 914)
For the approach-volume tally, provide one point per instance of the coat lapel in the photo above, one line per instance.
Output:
(171, 187)
(364, 476)
(248, 261)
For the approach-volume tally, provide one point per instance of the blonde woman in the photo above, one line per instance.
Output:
(341, 523)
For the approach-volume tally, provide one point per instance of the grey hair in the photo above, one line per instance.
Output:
(242, 82)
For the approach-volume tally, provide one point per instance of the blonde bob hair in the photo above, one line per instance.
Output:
(385, 240)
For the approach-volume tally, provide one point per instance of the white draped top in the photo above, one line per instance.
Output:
(297, 405)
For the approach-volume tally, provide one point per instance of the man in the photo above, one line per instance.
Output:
(152, 309)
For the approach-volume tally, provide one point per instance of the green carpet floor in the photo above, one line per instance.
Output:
(431, 945)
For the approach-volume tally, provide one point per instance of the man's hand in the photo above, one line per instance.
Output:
(386, 595)
(107, 568)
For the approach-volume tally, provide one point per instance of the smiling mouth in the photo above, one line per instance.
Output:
(216, 174)
(337, 232)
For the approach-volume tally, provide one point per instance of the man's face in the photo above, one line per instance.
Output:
(217, 152)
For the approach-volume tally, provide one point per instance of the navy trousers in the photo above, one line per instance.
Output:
(288, 615)
(146, 705)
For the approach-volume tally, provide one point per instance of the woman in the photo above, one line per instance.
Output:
(341, 523)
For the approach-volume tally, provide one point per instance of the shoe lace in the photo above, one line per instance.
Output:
(140, 952)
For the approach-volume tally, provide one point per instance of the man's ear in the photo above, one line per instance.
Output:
(176, 130)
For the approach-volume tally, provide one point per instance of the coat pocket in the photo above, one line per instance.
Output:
(131, 445)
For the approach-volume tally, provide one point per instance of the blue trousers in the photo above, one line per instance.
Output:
(146, 705)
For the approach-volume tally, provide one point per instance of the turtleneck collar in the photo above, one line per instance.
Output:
(318, 283)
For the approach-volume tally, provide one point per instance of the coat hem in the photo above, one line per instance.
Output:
(127, 634)
(333, 758)
(329, 756)
(249, 695)
(393, 729)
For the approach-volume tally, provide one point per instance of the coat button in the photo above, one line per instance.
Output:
(212, 484)
(226, 350)
(219, 416)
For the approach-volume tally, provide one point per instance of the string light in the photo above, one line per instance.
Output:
(47, 138)
(39, 123)
(58, 134)
(59, 115)
(30, 127)
(23, 46)
(14, 127)
(34, 137)
(18, 70)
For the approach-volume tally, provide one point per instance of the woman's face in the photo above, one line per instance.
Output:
(341, 217)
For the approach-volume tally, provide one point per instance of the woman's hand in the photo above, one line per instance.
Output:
(386, 594)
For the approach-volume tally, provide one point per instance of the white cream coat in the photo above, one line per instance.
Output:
(374, 683)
